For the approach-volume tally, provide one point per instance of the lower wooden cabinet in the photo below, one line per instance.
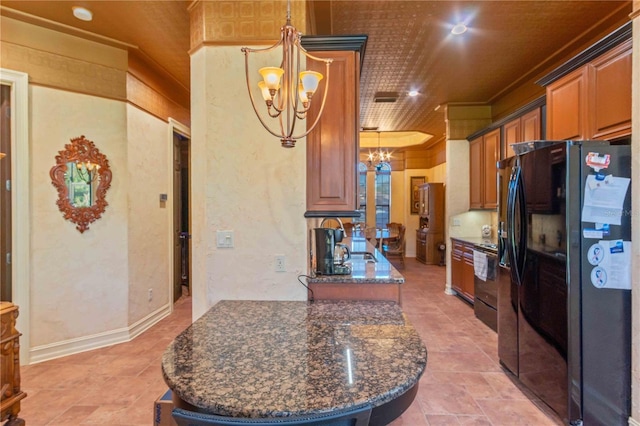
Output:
(427, 247)
(462, 274)
(10, 366)
(421, 246)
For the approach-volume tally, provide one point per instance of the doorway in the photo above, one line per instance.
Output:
(181, 213)
(6, 283)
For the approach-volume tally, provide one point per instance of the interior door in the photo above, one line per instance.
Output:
(5, 194)
(181, 235)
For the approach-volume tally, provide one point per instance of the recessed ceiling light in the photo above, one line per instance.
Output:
(82, 14)
(459, 28)
(413, 93)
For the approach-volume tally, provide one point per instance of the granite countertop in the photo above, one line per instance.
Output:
(283, 358)
(362, 271)
(487, 244)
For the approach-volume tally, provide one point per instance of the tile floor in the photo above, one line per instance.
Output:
(462, 385)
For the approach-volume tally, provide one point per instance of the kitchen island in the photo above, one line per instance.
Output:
(372, 277)
(260, 359)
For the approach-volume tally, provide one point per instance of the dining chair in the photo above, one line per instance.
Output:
(395, 248)
(370, 234)
(354, 416)
(348, 229)
(394, 227)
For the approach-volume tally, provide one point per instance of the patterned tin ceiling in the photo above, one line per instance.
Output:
(409, 45)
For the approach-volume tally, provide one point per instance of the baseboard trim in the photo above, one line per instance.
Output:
(633, 422)
(87, 343)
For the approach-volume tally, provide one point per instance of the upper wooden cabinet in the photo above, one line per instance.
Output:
(523, 128)
(567, 107)
(610, 93)
(332, 147)
(593, 100)
(483, 156)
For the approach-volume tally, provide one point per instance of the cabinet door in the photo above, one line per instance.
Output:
(490, 170)
(567, 106)
(332, 147)
(610, 94)
(457, 267)
(468, 273)
(531, 125)
(512, 134)
(475, 174)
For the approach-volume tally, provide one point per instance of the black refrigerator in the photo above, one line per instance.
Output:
(564, 298)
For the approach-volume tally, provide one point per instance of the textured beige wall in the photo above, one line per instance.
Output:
(457, 190)
(79, 281)
(246, 182)
(149, 222)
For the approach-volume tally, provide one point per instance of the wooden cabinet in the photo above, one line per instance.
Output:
(432, 216)
(432, 206)
(421, 246)
(483, 156)
(524, 128)
(566, 107)
(462, 273)
(427, 246)
(10, 366)
(594, 101)
(333, 145)
(610, 94)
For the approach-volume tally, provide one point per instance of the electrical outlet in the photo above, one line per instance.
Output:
(456, 222)
(150, 294)
(280, 265)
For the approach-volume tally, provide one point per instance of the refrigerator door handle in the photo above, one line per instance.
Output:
(516, 249)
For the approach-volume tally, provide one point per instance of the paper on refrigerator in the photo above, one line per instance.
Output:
(604, 199)
(612, 264)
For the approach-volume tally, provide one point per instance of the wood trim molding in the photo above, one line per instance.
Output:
(538, 103)
(331, 213)
(357, 43)
(615, 38)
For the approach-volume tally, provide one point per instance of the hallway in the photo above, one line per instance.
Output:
(462, 385)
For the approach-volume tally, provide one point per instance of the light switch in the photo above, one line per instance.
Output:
(224, 239)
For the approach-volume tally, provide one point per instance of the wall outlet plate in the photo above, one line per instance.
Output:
(280, 263)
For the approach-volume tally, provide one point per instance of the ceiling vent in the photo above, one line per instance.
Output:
(386, 96)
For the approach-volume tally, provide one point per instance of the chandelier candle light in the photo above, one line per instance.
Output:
(289, 101)
(377, 157)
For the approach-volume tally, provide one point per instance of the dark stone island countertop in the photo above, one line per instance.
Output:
(363, 271)
(283, 358)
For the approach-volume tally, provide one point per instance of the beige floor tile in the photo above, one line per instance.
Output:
(463, 384)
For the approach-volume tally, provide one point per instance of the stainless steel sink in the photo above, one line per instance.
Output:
(363, 255)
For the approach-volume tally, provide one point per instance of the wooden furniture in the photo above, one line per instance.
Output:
(333, 146)
(432, 217)
(590, 96)
(10, 366)
(427, 247)
(462, 274)
(275, 359)
(395, 247)
(483, 156)
(421, 246)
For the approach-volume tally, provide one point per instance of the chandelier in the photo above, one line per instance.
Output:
(287, 101)
(87, 171)
(376, 158)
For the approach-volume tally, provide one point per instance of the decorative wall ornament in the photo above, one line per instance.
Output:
(81, 200)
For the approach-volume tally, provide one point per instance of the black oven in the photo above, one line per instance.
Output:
(486, 285)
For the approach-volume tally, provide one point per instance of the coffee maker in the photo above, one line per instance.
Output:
(330, 254)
